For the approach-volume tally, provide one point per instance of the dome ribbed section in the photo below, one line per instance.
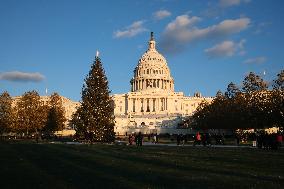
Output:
(152, 72)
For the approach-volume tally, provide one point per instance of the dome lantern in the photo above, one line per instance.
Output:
(152, 71)
(152, 43)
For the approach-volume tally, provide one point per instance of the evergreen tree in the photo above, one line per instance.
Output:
(56, 114)
(6, 112)
(78, 124)
(96, 107)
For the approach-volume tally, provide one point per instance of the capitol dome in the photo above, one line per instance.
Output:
(152, 71)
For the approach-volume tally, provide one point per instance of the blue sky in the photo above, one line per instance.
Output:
(52, 43)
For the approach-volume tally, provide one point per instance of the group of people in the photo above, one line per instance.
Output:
(154, 138)
(269, 141)
(203, 139)
(181, 139)
(136, 139)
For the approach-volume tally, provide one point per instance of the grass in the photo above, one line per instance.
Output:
(28, 165)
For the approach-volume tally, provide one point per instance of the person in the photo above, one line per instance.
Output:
(130, 138)
(37, 138)
(178, 139)
(279, 139)
(204, 139)
(182, 139)
(237, 140)
(208, 139)
(140, 139)
(155, 138)
(197, 139)
(136, 139)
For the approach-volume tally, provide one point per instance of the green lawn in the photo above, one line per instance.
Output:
(28, 165)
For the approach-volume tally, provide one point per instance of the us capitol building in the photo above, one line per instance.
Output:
(152, 105)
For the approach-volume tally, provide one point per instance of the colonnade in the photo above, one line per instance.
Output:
(142, 84)
(147, 104)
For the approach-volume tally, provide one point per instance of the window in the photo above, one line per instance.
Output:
(162, 105)
(133, 105)
(148, 107)
(154, 102)
(142, 105)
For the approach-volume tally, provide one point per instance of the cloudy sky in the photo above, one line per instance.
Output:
(52, 43)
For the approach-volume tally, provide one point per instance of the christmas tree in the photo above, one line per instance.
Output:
(96, 106)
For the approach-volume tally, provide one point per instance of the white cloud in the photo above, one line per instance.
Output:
(225, 49)
(21, 76)
(161, 14)
(182, 21)
(229, 3)
(256, 60)
(130, 31)
(183, 30)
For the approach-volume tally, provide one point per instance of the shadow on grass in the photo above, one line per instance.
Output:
(104, 166)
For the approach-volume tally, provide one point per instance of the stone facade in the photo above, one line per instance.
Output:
(152, 102)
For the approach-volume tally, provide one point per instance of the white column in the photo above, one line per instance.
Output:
(158, 105)
(158, 83)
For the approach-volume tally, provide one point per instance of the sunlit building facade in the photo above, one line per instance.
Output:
(152, 103)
